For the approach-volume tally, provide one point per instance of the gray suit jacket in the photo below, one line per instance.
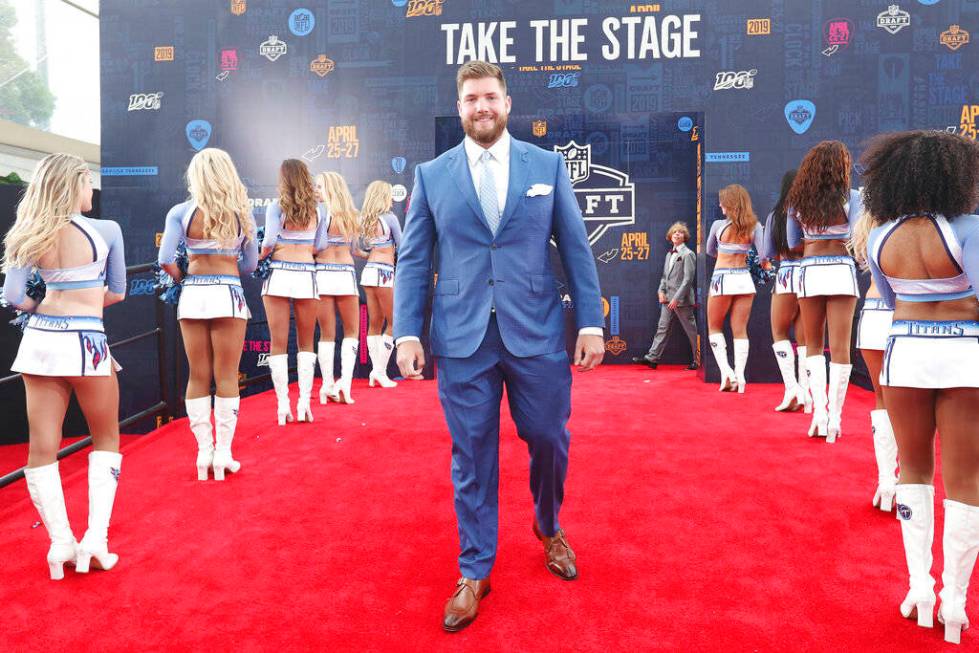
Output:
(677, 281)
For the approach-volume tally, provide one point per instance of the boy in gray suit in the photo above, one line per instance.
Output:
(676, 293)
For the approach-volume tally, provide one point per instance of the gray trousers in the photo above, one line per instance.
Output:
(688, 320)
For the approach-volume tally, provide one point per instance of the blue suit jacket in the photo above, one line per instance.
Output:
(477, 271)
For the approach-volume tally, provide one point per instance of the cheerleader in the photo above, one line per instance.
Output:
(337, 283)
(732, 289)
(216, 227)
(64, 348)
(381, 234)
(872, 329)
(823, 210)
(785, 305)
(924, 257)
(295, 229)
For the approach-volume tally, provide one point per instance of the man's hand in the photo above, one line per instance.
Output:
(411, 360)
(662, 298)
(589, 351)
(672, 305)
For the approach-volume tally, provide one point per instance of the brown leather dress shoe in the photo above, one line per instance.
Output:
(558, 556)
(461, 609)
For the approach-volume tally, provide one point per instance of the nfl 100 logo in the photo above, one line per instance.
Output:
(606, 196)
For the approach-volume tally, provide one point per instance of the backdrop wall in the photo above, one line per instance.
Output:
(356, 86)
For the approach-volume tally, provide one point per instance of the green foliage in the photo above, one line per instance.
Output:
(13, 179)
(26, 99)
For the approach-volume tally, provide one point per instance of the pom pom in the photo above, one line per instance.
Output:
(36, 288)
(263, 269)
(21, 320)
(169, 288)
(760, 275)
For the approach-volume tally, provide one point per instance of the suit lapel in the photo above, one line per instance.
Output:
(459, 171)
(519, 168)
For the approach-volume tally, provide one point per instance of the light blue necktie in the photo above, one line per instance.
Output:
(487, 193)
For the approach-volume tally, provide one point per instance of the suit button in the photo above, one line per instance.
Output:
(491, 282)
(493, 246)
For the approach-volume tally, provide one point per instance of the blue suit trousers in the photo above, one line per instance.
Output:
(539, 395)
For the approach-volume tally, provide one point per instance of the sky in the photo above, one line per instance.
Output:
(71, 38)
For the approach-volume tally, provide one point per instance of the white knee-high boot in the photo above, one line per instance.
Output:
(960, 543)
(103, 478)
(379, 353)
(785, 357)
(279, 366)
(816, 369)
(839, 381)
(325, 352)
(804, 380)
(387, 348)
(305, 369)
(885, 451)
(916, 512)
(199, 416)
(348, 359)
(719, 347)
(44, 486)
(741, 346)
(225, 422)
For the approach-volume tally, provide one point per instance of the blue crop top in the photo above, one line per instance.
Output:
(108, 266)
(178, 222)
(275, 234)
(961, 240)
(715, 245)
(390, 235)
(796, 232)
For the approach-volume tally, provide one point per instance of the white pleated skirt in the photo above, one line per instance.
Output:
(926, 354)
(787, 278)
(210, 296)
(336, 279)
(731, 281)
(64, 345)
(293, 280)
(828, 276)
(377, 275)
(874, 324)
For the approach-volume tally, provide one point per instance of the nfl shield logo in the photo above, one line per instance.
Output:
(540, 128)
(238, 7)
(577, 158)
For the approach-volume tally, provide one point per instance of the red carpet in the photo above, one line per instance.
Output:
(702, 522)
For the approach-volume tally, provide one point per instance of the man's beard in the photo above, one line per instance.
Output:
(485, 137)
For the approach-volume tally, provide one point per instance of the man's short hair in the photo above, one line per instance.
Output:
(477, 69)
(682, 228)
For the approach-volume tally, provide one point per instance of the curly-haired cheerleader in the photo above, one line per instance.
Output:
(924, 256)
(824, 208)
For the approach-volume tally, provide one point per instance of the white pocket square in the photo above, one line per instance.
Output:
(539, 189)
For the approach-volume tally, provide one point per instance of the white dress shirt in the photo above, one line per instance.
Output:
(500, 151)
(500, 163)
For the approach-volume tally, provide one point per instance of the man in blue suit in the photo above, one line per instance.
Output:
(491, 205)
